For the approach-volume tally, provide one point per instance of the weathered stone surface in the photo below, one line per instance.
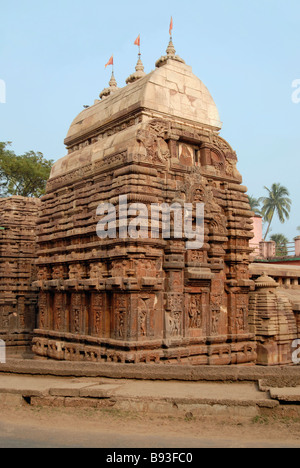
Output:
(272, 320)
(274, 376)
(291, 395)
(18, 301)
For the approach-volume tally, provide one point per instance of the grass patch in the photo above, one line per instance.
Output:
(262, 420)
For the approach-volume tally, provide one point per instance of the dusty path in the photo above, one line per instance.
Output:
(143, 416)
(57, 427)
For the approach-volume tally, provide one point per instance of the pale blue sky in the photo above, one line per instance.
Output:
(52, 58)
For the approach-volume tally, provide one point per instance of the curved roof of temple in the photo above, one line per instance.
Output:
(169, 92)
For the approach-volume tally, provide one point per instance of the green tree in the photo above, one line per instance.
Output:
(277, 202)
(281, 244)
(24, 175)
(255, 205)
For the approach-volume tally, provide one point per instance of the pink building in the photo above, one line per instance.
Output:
(267, 249)
(258, 234)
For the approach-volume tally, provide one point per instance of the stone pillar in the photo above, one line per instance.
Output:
(257, 231)
(297, 246)
(18, 301)
(267, 249)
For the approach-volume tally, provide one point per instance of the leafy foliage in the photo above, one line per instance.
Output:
(281, 244)
(255, 205)
(277, 202)
(24, 175)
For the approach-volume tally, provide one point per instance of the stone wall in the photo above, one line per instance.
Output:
(18, 301)
(274, 311)
(147, 300)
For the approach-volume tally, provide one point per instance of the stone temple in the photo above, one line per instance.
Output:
(18, 300)
(134, 300)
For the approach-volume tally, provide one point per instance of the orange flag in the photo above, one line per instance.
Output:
(110, 62)
(171, 26)
(138, 41)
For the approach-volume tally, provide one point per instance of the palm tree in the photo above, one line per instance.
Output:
(281, 244)
(255, 205)
(277, 202)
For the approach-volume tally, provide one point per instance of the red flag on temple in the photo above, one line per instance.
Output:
(138, 41)
(171, 26)
(110, 62)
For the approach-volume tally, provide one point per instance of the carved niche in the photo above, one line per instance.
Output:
(43, 310)
(76, 312)
(59, 308)
(186, 154)
(195, 318)
(120, 306)
(97, 309)
(174, 310)
(218, 160)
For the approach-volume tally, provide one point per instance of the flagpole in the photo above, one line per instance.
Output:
(139, 44)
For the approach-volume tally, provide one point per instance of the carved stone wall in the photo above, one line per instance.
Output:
(147, 300)
(18, 302)
(273, 321)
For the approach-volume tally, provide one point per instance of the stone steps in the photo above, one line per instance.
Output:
(163, 397)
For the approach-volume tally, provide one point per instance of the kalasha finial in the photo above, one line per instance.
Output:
(171, 52)
(139, 72)
(139, 69)
(171, 55)
(112, 83)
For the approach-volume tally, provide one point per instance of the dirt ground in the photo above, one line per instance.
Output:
(114, 428)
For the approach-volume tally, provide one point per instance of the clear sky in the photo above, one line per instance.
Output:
(53, 56)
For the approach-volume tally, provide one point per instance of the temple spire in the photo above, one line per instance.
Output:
(171, 52)
(113, 82)
(113, 86)
(171, 55)
(139, 69)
